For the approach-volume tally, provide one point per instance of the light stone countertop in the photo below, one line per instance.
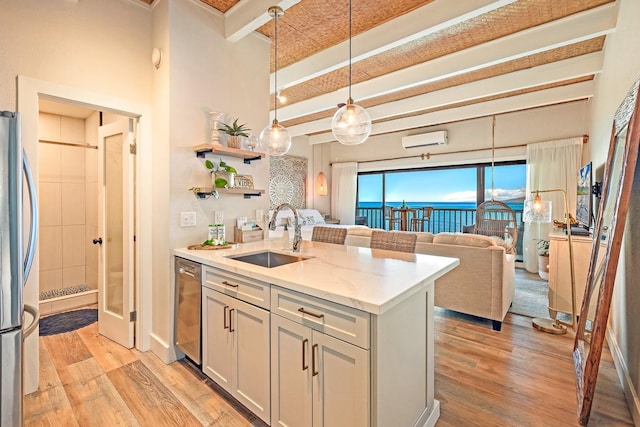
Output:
(371, 280)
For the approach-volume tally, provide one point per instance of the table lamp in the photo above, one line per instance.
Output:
(539, 211)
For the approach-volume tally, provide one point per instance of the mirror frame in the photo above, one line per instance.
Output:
(616, 192)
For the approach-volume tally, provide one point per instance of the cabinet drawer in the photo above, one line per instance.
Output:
(242, 287)
(345, 323)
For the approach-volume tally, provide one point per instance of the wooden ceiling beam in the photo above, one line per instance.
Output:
(572, 29)
(247, 16)
(565, 70)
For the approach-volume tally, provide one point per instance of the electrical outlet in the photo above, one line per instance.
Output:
(187, 219)
(259, 215)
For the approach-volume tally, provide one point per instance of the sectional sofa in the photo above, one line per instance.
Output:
(482, 285)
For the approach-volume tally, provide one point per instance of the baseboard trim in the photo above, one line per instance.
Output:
(429, 416)
(633, 401)
(165, 352)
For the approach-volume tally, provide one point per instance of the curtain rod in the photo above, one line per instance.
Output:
(585, 139)
(70, 144)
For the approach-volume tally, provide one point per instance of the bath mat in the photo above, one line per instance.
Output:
(68, 321)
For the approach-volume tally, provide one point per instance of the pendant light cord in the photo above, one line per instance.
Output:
(350, 25)
(493, 150)
(275, 64)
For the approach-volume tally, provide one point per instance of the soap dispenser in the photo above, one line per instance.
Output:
(285, 238)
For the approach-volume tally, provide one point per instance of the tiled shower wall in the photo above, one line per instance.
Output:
(68, 203)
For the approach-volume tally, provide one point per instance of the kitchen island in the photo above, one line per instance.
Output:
(350, 327)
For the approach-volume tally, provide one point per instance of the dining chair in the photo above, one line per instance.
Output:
(421, 222)
(334, 235)
(393, 241)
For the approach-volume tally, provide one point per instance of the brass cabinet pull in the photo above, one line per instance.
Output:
(224, 317)
(314, 369)
(310, 313)
(230, 320)
(305, 366)
(233, 285)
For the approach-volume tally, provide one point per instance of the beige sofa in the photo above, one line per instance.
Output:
(482, 285)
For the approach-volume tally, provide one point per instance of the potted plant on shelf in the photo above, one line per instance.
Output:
(222, 174)
(235, 132)
(543, 259)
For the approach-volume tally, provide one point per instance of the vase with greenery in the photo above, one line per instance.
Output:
(543, 258)
(222, 174)
(235, 132)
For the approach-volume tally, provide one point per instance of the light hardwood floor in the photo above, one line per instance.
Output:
(517, 377)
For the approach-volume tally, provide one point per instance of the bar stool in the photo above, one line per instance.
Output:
(421, 222)
(391, 217)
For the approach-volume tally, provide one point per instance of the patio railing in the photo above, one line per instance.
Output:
(442, 220)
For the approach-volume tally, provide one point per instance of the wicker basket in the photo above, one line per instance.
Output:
(234, 141)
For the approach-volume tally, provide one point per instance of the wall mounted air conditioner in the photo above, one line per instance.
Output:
(425, 139)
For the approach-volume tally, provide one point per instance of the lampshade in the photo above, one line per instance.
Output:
(351, 124)
(274, 138)
(321, 184)
(538, 211)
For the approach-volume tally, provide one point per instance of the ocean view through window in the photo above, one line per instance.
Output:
(453, 192)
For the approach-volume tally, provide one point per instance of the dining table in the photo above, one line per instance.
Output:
(404, 214)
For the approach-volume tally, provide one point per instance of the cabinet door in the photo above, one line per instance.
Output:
(251, 377)
(217, 341)
(340, 378)
(290, 373)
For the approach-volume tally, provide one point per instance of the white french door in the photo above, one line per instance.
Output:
(116, 213)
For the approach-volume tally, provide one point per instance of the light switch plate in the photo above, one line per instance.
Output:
(187, 219)
(218, 217)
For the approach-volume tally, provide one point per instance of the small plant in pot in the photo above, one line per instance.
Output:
(222, 174)
(235, 132)
(543, 258)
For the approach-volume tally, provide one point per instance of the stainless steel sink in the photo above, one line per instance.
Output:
(268, 259)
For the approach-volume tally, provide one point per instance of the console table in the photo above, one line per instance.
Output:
(560, 272)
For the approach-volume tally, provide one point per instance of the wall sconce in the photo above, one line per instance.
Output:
(321, 184)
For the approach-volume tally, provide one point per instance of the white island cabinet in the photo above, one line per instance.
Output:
(235, 338)
(350, 335)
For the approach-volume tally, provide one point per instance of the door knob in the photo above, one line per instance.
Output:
(97, 241)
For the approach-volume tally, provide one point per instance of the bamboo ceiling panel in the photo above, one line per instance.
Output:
(508, 20)
(577, 49)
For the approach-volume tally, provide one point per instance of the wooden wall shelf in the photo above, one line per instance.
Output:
(206, 192)
(246, 155)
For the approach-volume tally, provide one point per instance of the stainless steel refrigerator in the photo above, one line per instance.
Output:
(15, 264)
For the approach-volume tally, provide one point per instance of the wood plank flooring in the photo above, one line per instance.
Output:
(517, 377)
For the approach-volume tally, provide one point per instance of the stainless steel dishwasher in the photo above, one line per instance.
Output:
(188, 306)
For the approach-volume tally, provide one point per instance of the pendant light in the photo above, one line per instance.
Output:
(321, 180)
(275, 138)
(351, 124)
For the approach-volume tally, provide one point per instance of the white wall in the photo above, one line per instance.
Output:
(200, 72)
(77, 44)
(621, 69)
(518, 128)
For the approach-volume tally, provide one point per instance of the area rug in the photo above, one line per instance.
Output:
(68, 321)
(531, 295)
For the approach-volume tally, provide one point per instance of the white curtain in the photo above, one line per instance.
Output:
(344, 185)
(550, 165)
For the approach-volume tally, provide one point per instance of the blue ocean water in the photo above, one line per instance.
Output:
(437, 205)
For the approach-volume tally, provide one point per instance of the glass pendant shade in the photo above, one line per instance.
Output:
(537, 211)
(321, 184)
(351, 124)
(275, 139)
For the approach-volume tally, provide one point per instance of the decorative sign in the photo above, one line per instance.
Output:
(244, 181)
(288, 181)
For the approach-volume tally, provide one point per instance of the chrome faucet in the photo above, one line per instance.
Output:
(297, 237)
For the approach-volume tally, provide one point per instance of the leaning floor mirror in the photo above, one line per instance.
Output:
(605, 253)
